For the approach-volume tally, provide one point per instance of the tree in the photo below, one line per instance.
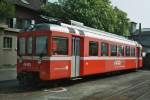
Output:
(7, 9)
(122, 22)
(98, 14)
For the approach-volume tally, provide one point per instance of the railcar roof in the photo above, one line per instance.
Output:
(84, 30)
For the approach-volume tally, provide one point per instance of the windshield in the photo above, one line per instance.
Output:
(21, 46)
(41, 45)
(29, 45)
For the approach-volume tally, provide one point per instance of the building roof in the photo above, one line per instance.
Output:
(31, 4)
(6, 28)
(144, 31)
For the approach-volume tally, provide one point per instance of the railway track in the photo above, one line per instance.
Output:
(129, 90)
(131, 93)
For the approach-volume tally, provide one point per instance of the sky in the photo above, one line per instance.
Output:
(137, 10)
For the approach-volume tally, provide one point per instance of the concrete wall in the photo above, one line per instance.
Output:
(8, 56)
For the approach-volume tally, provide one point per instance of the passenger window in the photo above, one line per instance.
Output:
(120, 51)
(113, 50)
(127, 51)
(93, 48)
(59, 46)
(132, 52)
(104, 49)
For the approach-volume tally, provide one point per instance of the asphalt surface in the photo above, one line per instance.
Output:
(127, 86)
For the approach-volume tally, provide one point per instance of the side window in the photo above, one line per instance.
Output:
(127, 51)
(104, 49)
(132, 52)
(120, 51)
(93, 48)
(29, 45)
(60, 46)
(113, 50)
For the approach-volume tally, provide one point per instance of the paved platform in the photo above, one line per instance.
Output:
(127, 86)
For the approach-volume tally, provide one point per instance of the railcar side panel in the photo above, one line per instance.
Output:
(92, 67)
(101, 66)
(60, 69)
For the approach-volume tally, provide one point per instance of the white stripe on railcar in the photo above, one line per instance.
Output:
(81, 58)
(107, 58)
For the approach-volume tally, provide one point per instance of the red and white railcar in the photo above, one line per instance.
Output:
(51, 52)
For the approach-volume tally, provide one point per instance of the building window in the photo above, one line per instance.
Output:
(26, 23)
(93, 48)
(104, 49)
(113, 50)
(23, 23)
(11, 22)
(127, 51)
(32, 22)
(7, 42)
(132, 52)
(60, 46)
